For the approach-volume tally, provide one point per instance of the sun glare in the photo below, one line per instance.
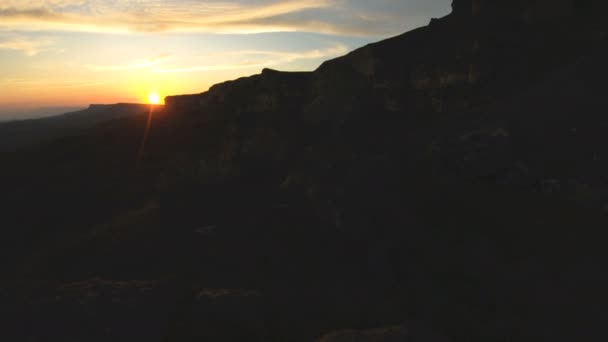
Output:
(153, 98)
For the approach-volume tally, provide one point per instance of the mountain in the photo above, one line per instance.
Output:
(23, 133)
(447, 184)
(12, 114)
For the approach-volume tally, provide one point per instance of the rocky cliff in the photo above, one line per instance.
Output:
(444, 66)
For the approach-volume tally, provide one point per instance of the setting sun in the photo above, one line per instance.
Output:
(153, 98)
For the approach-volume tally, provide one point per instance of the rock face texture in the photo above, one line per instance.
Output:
(402, 333)
(454, 175)
(528, 11)
(270, 91)
(93, 310)
(437, 68)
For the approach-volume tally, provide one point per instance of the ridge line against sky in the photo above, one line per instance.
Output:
(120, 50)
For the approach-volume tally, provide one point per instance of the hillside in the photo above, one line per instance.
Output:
(25, 133)
(447, 184)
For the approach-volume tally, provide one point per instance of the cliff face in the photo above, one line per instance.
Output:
(480, 127)
(528, 11)
(446, 66)
(270, 91)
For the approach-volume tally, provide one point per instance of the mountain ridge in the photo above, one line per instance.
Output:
(18, 134)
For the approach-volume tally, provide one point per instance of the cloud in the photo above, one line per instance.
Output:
(148, 16)
(340, 17)
(245, 59)
(29, 46)
(138, 64)
(50, 83)
(259, 59)
(42, 3)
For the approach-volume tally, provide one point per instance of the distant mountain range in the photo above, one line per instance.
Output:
(13, 114)
(22, 133)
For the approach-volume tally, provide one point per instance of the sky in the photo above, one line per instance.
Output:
(77, 52)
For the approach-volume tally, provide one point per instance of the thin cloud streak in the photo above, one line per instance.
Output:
(139, 64)
(154, 16)
(266, 59)
(332, 17)
(49, 83)
(30, 47)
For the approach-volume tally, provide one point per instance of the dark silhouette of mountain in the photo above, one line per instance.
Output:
(447, 184)
(23, 133)
(14, 114)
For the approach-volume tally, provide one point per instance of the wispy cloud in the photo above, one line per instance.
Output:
(138, 64)
(257, 59)
(50, 83)
(152, 15)
(231, 60)
(338, 17)
(29, 46)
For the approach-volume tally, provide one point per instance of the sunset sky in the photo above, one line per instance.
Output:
(76, 52)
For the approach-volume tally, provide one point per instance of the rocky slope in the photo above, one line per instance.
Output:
(445, 184)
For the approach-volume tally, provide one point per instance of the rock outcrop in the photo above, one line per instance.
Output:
(268, 92)
(443, 67)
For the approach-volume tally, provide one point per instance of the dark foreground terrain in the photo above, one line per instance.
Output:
(448, 184)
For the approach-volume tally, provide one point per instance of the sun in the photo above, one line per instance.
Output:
(153, 98)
